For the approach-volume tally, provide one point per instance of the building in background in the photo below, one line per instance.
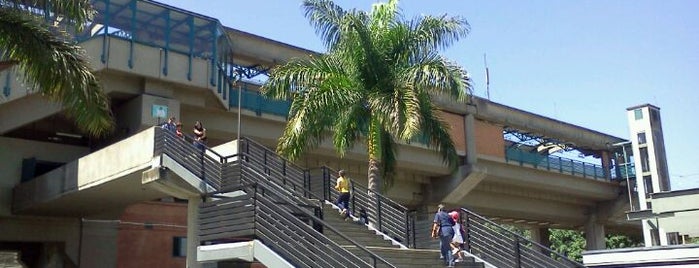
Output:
(670, 219)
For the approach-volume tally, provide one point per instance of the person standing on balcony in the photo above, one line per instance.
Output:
(442, 227)
(169, 125)
(343, 186)
(178, 130)
(199, 135)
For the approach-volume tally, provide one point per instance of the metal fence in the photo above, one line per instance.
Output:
(386, 215)
(555, 163)
(504, 248)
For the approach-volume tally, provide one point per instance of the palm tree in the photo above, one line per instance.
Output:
(51, 62)
(375, 84)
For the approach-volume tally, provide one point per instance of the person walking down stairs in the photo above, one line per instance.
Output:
(343, 186)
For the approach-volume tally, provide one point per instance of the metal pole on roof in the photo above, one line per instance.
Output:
(626, 171)
(240, 97)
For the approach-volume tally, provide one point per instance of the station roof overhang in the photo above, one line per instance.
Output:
(251, 49)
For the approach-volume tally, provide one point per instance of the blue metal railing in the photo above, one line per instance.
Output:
(254, 101)
(555, 163)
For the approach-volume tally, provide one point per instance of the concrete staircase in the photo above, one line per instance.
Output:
(384, 247)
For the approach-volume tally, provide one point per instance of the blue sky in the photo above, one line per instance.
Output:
(582, 62)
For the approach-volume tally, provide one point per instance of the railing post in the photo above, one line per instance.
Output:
(378, 212)
(354, 200)
(467, 239)
(517, 255)
(407, 228)
(412, 224)
(284, 167)
(326, 184)
(572, 167)
(203, 170)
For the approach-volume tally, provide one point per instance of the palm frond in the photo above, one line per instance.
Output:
(438, 76)
(350, 125)
(326, 17)
(58, 69)
(436, 132)
(77, 11)
(434, 33)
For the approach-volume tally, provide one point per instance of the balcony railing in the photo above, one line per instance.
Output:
(266, 212)
(254, 101)
(504, 248)
(555, 163)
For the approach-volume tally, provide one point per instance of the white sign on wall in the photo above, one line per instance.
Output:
(158, 111)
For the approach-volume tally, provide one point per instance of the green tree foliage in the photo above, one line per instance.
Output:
(50, 62)
(375, 83)
(622, 241)
(570, 243)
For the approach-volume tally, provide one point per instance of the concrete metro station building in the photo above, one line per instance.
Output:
(82, 201)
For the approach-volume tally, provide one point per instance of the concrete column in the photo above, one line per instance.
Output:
(606, 164)
(594, 233)
(470, 136)
(99, 244)
(192, 230)
(541, 236)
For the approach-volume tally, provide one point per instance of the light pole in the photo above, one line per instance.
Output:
(626, 170)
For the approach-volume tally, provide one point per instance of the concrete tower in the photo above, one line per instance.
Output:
(646, 132)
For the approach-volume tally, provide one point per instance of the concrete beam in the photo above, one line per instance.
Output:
(20, 112)
(597, 190)
(534, 123)
(459, 185)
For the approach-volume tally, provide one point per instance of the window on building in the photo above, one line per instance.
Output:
(648, 184)
(673, 238)
(655, 236)
(179, 246)
(645, 162)
(654, 115)
(641, 138)
(638, 114)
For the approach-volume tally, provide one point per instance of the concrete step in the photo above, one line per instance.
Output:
(358, 232)
(412, 257)
(408, 258)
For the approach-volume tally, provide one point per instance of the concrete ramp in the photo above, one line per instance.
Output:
(108, 180)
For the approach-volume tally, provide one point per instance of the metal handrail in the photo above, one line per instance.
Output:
(288, 220)
(283, 175)
(489, 240)
(388, 215)
(557, 163)
(181, 148)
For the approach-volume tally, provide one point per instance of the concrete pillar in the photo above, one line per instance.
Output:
(470, 136)
(606, 164)
(541, 236)
(99, 244)
(594, 233)
(192, 230)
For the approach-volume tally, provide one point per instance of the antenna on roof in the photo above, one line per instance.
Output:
(487, 77)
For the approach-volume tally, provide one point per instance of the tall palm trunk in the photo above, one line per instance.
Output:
(374, 178)
(374, 182)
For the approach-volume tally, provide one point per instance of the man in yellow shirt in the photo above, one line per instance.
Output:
(343, 186)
